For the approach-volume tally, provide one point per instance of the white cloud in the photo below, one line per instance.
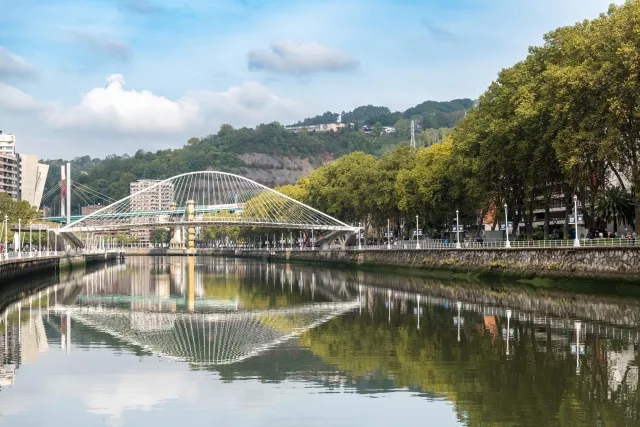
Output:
(113, 107)
(129, 111)
(115, 395)
(117, 120)
(14, 100)
(289, 57)
(12, 65)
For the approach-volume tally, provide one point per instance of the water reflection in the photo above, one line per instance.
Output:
(500, 354)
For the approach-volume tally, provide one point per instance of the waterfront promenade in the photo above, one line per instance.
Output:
(617, 259)
(15, 264)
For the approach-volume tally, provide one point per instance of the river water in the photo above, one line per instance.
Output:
(213, 341)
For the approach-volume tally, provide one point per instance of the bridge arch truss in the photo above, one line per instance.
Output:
(206, 198)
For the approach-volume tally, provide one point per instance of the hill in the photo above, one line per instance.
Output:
(269, 154)
(427, 115)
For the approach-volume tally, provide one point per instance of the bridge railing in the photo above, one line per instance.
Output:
(499, 244)
(429, 244)
(10, 255)
(422, 244)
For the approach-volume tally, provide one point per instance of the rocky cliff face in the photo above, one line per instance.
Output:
(281, 170)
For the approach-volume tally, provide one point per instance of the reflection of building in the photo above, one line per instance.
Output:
(149, 196)
(34, 339)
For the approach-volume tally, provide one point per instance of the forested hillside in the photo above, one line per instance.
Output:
(427, 115)
(269, 153)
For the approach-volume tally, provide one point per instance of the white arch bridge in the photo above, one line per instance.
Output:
(206, 198)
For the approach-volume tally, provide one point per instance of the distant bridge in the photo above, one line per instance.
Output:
(207, 198)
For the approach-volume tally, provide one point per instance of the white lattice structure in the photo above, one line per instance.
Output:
(207, 198)
(208, 338)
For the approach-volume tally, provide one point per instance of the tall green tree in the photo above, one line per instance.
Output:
(615, 205)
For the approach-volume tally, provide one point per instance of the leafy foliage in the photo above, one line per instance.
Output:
(615, 205)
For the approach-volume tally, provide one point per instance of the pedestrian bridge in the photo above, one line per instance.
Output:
(206, 198)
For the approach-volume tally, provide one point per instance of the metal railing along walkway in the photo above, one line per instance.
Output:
(11, 255)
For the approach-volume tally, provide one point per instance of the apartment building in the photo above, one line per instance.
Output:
(7, 144)
(148, 196)
(9, 175)
(22, 176)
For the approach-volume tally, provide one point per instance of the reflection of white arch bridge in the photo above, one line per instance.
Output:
(208, 338)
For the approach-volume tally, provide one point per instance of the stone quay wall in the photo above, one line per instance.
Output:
(525, 262)
(24, 267)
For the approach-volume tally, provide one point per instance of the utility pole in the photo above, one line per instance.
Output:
(413, 134)
(63, 190)
(68, 191)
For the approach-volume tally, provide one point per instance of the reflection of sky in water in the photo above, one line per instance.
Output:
(452, 353)
(87, 387)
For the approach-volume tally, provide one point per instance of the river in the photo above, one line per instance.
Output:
(233, 342)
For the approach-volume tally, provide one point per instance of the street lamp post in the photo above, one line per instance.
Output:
(388, 234)
(40, 240)
(417, 234)
(576, 240)
(359, 238)
(19, 238)
(458, 246)
(30, 238)
(507, 244)
(6, 236)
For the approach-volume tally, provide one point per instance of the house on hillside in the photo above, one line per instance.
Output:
(326, 127)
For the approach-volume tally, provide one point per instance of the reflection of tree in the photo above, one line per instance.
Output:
(252, 295)
(537, 386)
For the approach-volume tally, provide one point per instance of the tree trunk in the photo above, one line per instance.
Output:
(530, 222)
(568, 203)
(637, 218)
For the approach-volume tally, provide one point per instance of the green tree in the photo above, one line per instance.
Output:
(615, 205)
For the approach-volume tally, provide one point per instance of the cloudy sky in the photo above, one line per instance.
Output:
(98, 77)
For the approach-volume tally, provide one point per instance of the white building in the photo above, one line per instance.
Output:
(327, 127)
(154, 199)
(9, 175)
(21, 175)
(7, 144)
(33, 176)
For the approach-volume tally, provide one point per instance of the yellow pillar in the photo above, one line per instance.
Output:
(191, 231)
(191, 287)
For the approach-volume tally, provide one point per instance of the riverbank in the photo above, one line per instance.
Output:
(592, 263)
(24, 267)
(524, 263)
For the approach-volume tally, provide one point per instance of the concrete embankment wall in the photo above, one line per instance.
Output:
(24, 267)
(586, 262)
(538, 262)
